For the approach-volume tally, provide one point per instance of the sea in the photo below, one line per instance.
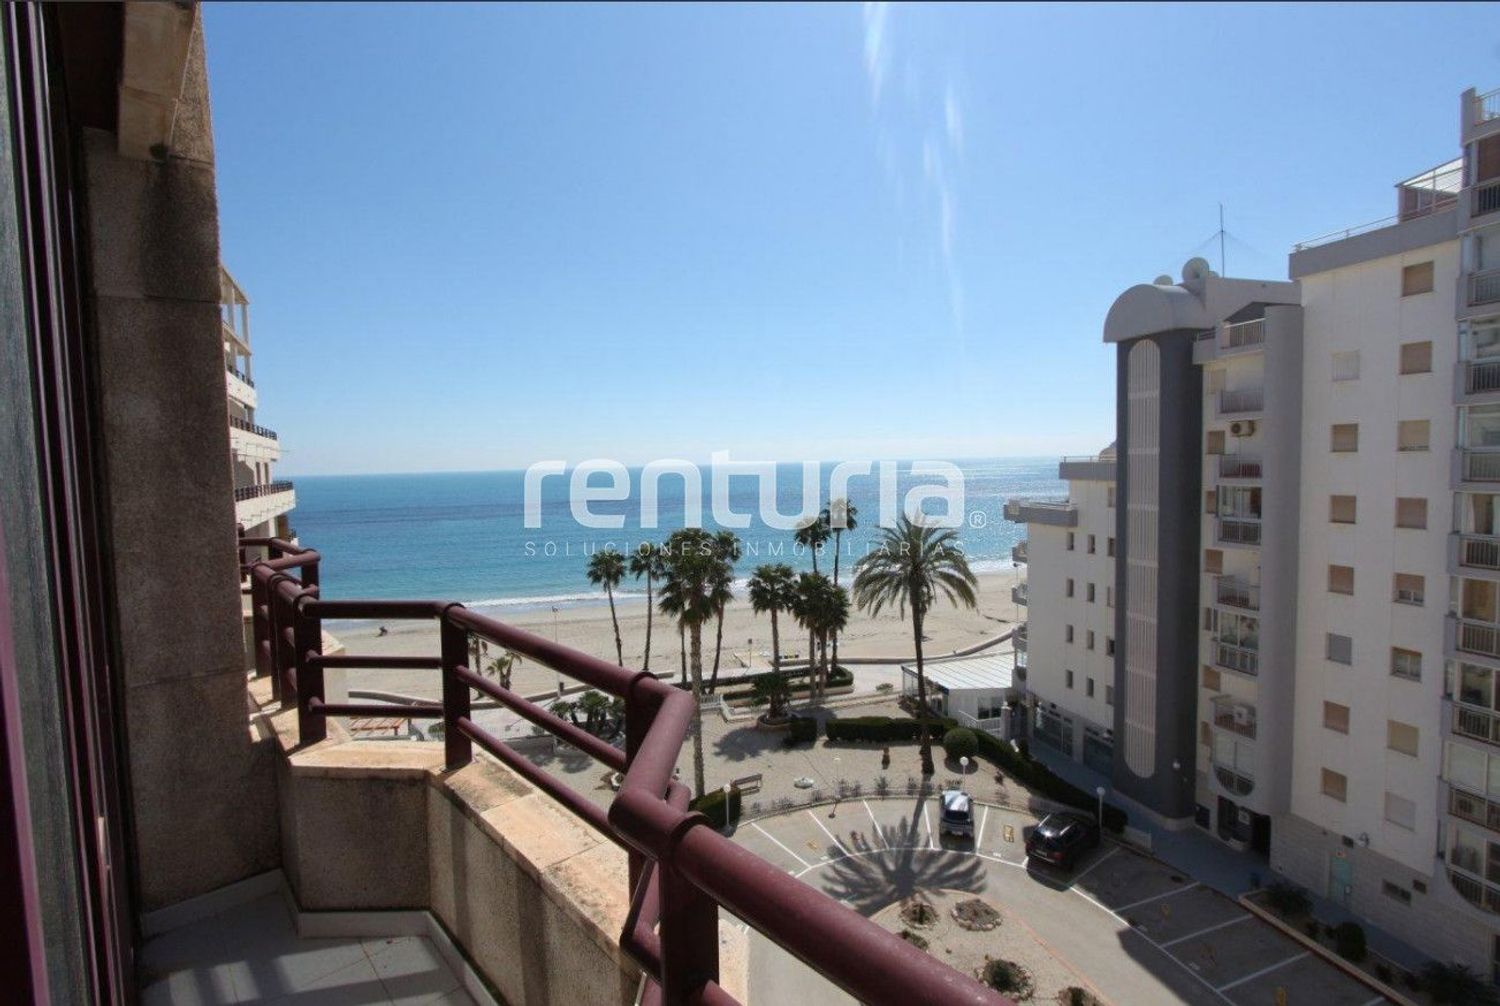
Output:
(464, 536)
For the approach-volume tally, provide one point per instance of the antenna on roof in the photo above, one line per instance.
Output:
(1222, 271)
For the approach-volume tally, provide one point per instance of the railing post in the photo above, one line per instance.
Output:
(689, 932)
(457, 746)
(273, 637)
(637, 725)
(260, 625)
(311, 726)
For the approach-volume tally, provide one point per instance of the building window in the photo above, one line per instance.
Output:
(1214, 442)
(1416, 357)
(1400, 811)
(1341, 509)
(1213, 560)
(1336, 785)
(1109, 646)
(1109, 496)
(1410, 589)
(1346, 366)
(1340, 649)
(1091, 545)
(1416, 279)
(1090, 642)
(1089, 592)
(1336, 717)
(1109, 695)
(1109, 596)
(1406, 664)
(1340, 579)
(1411, 512)
(1068, 589)
(1110, 546)
(1212, 680)
(1413, 435)
(1344, 438)
(1070, 541)
(1088, 687)
(1210, 501)
(1068, 679)
(1068, 634)
(1401, 737)
(1395, 892)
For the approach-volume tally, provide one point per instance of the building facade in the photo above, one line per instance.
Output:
(1068, 636)
(261, 502)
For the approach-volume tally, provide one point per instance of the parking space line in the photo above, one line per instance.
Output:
(979, 838)
(1263, 971)
(928, 824)
(1206, 931)
(783, 848)
(828, 833)
(1095, 863)
(1156, 897)
(1169, 956)
(876, 823)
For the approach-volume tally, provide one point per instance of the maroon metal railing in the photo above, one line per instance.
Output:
(681, 870)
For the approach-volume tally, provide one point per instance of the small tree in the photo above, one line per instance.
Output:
(773, 690)
(960, 742)
(1349, 941)
(1287, 899)
(1456, 985)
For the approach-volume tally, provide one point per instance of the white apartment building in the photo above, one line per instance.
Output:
(1068, 635)
(261, 503)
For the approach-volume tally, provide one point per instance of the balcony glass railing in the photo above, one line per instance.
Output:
(1480, 724)
(1484, 287)
(1481, 376)
(1239, 531)
(249, 427)
(1479, 551)
(1236, 657)
(1237, 593)
(1241, 400)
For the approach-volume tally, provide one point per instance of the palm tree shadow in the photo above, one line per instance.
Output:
(900, 864)
(565, 756)
(744, 743)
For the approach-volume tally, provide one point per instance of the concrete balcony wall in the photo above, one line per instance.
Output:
(254, 512)
(535, 898)
(239, 390)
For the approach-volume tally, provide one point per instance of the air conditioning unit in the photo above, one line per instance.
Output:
(1242, 716)
(1242, 428)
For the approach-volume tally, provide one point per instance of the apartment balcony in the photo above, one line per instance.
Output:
(1476, 723)
(1474, 555)
(1236, 593)
(1477, 380)
(1235, 467)
(1018, 594)
(1236, 657)
(1054, 511)
(1242, 401)
(255, 505)
(1018, 552)
(1090, 468)
(1484, 108)
(240, 387)
(1484, 287)
(252, 442)
(1475, 639)
(1018, 638)
(1480, 466)
(1243, 531)
(1235, 716)
(1233, 781)
(1475, 891)
(1484, 198)
(1474, 808)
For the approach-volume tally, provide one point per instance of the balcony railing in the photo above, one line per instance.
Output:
(1485, 198)
(1235, 717)
(1234, 531)
(1018, 593)
(681, 871)
(1232, 466)
(1473, 808)
(1480, 724)
(1018, 551)
(1242, 334)
(1484, 287)
(232, 369)
(1482, 466)
(1234, 783)
(249, 427)
(1481, 376)
(1475, 891)
(1236, 657)
(242, 493)
(1486, 107)
(1479, 551)
(1018, 638)
(1480, 638)
(1055, 510)
(1237, 593)
(1241, 400)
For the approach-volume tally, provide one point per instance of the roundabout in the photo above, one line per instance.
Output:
(1123, 927)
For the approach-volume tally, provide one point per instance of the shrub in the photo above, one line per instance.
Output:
(803, 728)
(915, 939)
(960, 742)
(711, 805)
(1287, 899)
(1455, 984)
(1009, 978)
(880, 729)
(1349, 941)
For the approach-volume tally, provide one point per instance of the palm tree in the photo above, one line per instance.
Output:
(607, 569)
(838, 516)
(647, 562)
(773, 589)
(811, 534)
(500, 668)
(825, 607)
(727, 543)
(694, 572)
(914, 564)
(806, 608)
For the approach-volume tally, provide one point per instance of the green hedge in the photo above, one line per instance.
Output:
(803, 728)
(733, 680)
(960, 742)
(1349, 941)
(837, 678)
(711, 805)
(1032, 774)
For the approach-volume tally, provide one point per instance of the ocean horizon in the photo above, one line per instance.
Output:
(463, 535)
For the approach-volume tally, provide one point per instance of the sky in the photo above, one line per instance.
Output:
(475, 237)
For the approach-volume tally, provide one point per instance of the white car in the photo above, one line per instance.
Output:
(957, 816)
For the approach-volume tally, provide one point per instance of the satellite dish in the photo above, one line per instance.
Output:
(1196, 268)
(1162, 280)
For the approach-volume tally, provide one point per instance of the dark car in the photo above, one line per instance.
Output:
(957, 816)
(1062, 839)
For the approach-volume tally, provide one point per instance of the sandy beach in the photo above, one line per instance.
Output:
(747, 637)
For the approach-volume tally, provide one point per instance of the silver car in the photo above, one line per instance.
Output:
(957, 817)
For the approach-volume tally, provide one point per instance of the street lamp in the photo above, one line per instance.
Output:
(1099, 791)
(963, 765)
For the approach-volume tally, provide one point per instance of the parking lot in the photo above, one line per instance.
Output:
(1128, 925)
